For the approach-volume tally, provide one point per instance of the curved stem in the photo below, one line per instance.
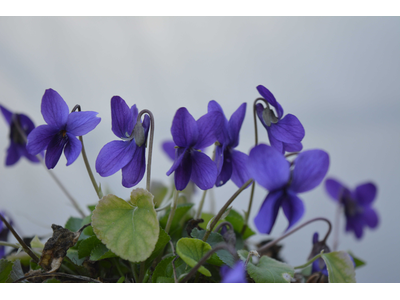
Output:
(247, 214)
(310, 261)
(223, 224)
(223, 209)
(272, 243)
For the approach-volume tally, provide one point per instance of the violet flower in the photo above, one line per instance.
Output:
(319, 264)
(237, 274)
(61, 130)
(17, 146)
(124, 154)
(230, 162)
(357, 205)
(190, 136)
(271, 170)
(285, 134)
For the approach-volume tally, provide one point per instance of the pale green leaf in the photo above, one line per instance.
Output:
(340, 267)
(192, 251)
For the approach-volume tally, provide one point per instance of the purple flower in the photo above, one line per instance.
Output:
(125, 154)
(61, 130)
(17, 146)
(271, 170)
(285, 134)
(237, 274)
(190, 136)
(357, 205)
(4, 232)
(319, 264)
(230, 162)
(169, 149)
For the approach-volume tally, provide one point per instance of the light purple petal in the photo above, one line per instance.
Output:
(225, 173)
(240, 172)
(310, 168)
(40, 137)
(184, 129)
(293, 208)
(235, 275)
(295, 147)
(13, 154)
(114, 156)
(223, 136)
(180, 152)
(268, 212)
(278, 145)
(288, 130)
(219, 157)
(54, 109)
(204, 170)
(235, 123)
(122, 118)
(169, 149)
(54, 150)
(365, 193)
(82, 122)
(334, 188)
(267, 95)
(7, 114)
(370, 217)
(210, 126)
(133, 172)
(183, 171)
(72, 148)
(268, 167)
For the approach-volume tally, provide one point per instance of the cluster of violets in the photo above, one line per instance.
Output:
(268, 165)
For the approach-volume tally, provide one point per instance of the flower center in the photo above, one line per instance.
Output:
(350, 207)
(15, 134)
(63, 133)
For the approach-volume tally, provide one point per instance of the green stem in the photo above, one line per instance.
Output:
(310, 261)
(89, 170)
(9, 244)
(172, 212)
(134, 273)
(141, 272)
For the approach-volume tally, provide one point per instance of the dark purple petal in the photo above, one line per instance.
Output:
(223, 136)
(293, 208)
(310, 168)
(13, 154)
(133, 172)
(268, 167)
(334, 188)
(235, 275)
(39, 138)
(204, 170)
(365, 193)
(72, 148)
(267, 95)
(370, 217)
(122, 118)
(210, 126)
(235, 123)
(295, 147)
(54, 109)
(240, 172)
(225, 172)
(184, 129)
(169, 149)
(268, 212)
(54, 150)
(288, 130)
(355, 224)
(7, 114)
(183, 171)
(82, 122)
(180, 152)
(315, 238)
(114, 156)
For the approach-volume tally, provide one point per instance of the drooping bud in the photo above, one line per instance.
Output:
(269, 116)
(138, 134)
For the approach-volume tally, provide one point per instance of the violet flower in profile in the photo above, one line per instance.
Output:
(61, 130)
(17, 147)
(231, 163)
(357, 205)
(124, 154)
(190, 136)
(237, 274)
(285, 134)
(271, 170)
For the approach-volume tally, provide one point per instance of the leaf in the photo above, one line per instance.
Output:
(5, 269)
(237, 222)
(36, 243)
(340, 267)
(164, 270)
(86, 247)
(358, 262)
(192, 251)
(101, 252)
(162, 241)
(129, 229)
(121, 279)
(73, 255)
(179, 216)
(73, 224)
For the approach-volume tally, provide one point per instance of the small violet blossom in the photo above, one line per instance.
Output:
(285, 134)
(237, 274)
(230, 162)
(319, 264)
(357, 205)
(61, 130)
(271, 170)
(17, 146)
(190, 136)
(125, 154)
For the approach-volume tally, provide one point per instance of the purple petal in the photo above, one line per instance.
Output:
(268, 212)
(288, 130)
(219, 157)
(72, 148)
(7, 114)
(225, 173)
(334, 188)
(180, 152)
(293, 208)
(169, 149)
(355, 224)
(235, 275)
(370, 217)
(365, 193)
(278, 145)
(267, 95)
(26, 123)
(259, 111)
(310, 169)
(133, 172)
(122, 118)
(39, 138)
(13, 154)
(210, 127)
(235, 123)
(183, 171)
(29, 156)
(54, 109)
(240, 172)
(54, 150)
(184, 129)
(315, 238)
(204, 170)
(223, 136)
(295, 147)
(268, 167)
(82, 122)
(114, 156)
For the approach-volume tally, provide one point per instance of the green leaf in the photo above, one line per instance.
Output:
(91, 208)
(5, 269)
(101, 252)
(121, 279)
(129, 229)
(86, 247)
(237, 222)
(164, 269)
(179, 216)
(73, 255)
(88, 231)
(192, 251)
(358, 262)
(73, 224)
(243, 254)
(36, 243)
(340, 267)
(162, 241)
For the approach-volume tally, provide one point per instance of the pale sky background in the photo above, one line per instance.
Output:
(338, 75)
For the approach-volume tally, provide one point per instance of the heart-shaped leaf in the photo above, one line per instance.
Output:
(340, 267)
(192, 251)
